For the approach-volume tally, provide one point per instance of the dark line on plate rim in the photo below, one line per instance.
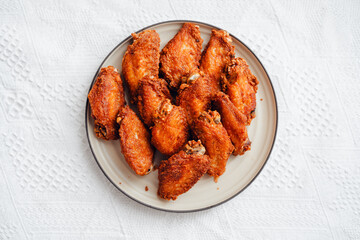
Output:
(199, 209)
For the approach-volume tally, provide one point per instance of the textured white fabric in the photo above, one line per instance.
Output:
(50, 185)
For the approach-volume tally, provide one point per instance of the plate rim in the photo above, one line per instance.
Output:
(198, 209)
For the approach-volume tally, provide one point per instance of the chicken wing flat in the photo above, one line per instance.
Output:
(195, 95)
(217, 53)
(181, 171)
(213, 135)
(234, 122)
(151, 93)
(181, 54)
(106, 98)
(241, 86)
(141, 59)
(171, 130)
(135, 142)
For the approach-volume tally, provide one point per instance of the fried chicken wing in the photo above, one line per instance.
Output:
(171, 130)
(241, 86)
(106, 98)
(182, 171)
(141, 59)
(213, 135)
(217, 53)
(195, 95)
(135, 142)
(234, 122)
(181, 54)
(151, 93)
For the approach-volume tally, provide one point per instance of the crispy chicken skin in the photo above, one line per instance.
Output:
(181, 54)
(151, 93)
(106, 98)
(217, 53)
(135, 142)
(181, 171)
(141, 59)
(213, 135)
(241, 86)
(195, 95)
(234, 122)
(171, 130)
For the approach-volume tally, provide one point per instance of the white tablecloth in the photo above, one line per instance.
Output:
(52, 188)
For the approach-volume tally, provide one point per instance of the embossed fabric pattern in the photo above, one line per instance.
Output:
(50, 184)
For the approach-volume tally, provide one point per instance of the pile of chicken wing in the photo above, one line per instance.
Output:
(194, 106)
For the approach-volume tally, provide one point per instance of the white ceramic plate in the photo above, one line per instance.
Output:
(240, 170)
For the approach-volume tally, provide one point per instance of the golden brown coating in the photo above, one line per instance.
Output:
(217, 53)
(181, 171)
(171, 130)
(241, 86)
(135, 142)
(195, 95)
(106, 98)
(181, 54)
(213, 135)
(151, 93)
(141, 59)
(234, 122)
